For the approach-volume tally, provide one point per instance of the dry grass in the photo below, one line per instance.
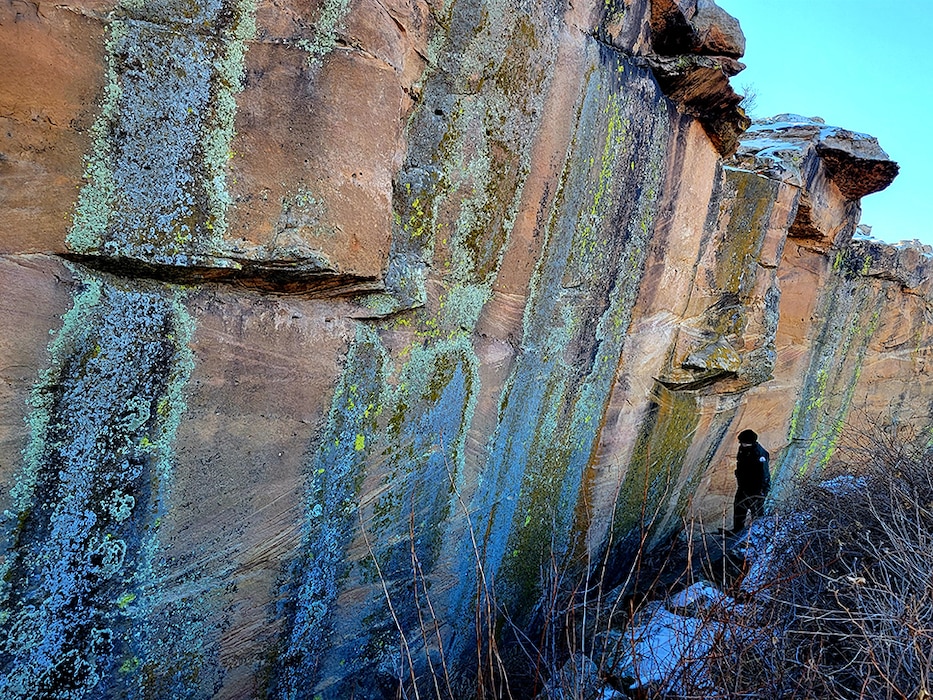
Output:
(832, 598)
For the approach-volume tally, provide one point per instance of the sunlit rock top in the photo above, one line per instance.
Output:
(779, 147)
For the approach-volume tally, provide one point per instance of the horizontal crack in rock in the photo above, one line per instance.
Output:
(268, 276)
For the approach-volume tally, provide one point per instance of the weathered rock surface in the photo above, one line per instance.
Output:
(322, 323)
(695, 26)
(778, 147)
(691, 47)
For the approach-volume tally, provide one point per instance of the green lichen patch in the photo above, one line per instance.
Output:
(752, 197)
(852, 306)
(657, 461)
(457, 195)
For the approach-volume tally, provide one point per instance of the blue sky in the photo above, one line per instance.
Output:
(865, 65)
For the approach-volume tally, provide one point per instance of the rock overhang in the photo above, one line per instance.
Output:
(788, 146)
(691, 47)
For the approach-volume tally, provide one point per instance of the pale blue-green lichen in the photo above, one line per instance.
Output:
(229, 66)
(155, 181)
(457, 195)
(455, 201)
(415, 428)
(176, 638)
(90, 480)
(326, 28)
(305, 215)
(461, 308)
(335, 474)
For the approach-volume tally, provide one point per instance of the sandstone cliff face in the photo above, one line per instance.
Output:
(326, 320)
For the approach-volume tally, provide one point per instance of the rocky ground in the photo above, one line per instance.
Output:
(666, 623)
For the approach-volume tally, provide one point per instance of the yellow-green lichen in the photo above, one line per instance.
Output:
(124, 600)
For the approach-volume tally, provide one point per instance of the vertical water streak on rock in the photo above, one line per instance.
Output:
(415, 429)
(97, 470)
(837, 354)
(336, 473)
(664, 437)
(458, 193)
(456, 201)
(156, 180)
(575, 324)
(432, 408)
(463, 175)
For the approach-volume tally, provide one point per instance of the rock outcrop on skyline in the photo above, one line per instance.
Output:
(325, 325)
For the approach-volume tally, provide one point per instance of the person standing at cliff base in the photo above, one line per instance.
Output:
(753, 478)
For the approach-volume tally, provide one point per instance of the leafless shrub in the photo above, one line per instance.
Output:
(867, 565)
(749, 101)
(841, 591)
(830, 596)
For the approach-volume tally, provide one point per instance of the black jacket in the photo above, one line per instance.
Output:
(752, 472)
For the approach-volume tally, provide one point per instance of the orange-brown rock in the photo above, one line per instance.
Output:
(330, 327)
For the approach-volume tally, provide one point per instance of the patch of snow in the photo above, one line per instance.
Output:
(669, 650)
(830, 132)
(765, 547)
(844, 484)
(702, 595)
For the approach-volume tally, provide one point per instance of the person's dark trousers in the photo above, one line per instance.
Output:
(746, 503)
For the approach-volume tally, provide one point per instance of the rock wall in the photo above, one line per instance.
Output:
(327, 321)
